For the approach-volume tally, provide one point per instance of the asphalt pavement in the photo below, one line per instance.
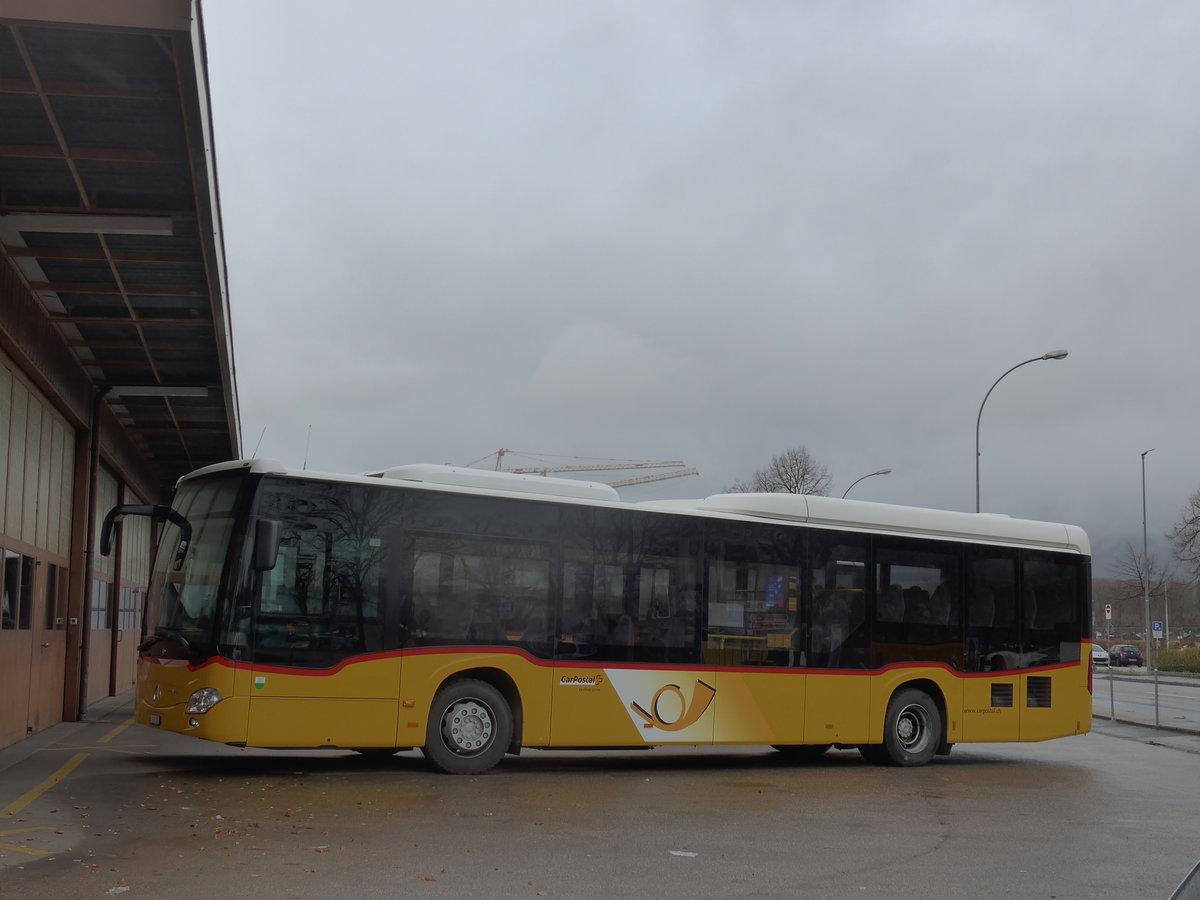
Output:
(103, 807)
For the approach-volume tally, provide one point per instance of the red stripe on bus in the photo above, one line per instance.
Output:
(590, 665)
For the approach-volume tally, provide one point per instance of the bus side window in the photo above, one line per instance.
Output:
(629, 587)
(1053, 617)
(992, 640)
(319, 602)
(753, 608)
(840, 633)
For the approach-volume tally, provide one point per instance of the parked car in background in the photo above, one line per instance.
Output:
(1124, 655)
(1099, 655)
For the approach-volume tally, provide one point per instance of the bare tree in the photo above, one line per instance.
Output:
(794, 471)
(1185, 536)
(1137, 575)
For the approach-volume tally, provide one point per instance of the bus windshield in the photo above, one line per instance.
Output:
(182, 601)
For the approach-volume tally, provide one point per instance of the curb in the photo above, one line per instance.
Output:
(1174, 729)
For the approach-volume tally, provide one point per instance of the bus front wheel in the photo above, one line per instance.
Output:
(912, 731)
(470, 727)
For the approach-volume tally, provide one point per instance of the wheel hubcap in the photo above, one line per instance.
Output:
(467, 727)
(912, 728)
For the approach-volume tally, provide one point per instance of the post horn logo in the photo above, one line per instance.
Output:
(702, 696)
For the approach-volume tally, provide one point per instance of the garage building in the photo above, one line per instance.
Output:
(116, 359)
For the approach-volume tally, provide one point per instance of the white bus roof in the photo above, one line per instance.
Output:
(822, 512)
(862, 515)
(514, 482)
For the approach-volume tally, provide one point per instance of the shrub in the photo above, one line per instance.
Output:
(1179, 660)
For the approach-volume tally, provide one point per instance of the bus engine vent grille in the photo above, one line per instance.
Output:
(1039, 692)
(1002, 695)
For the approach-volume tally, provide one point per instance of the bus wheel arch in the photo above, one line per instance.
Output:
(473, 721)
(914, 727)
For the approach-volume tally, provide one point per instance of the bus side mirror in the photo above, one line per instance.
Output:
(162, 513)
(115, 515)
(266, 544)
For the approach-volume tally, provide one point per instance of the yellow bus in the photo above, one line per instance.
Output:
(472, 614)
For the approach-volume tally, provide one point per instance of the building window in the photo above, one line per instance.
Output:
(10, 591)
(101, 619)
(56, 598)
(16, 593)
(127, 612)
(25, 607)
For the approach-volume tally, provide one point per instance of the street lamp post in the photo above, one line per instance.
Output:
(1146, 585)
(868, 475)
(1053, 354)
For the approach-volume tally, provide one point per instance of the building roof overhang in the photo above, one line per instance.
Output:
(110, 229)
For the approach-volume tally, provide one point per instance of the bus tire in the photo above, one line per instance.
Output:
(470, 727)
(912, 731)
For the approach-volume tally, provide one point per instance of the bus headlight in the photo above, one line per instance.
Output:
(203, 700)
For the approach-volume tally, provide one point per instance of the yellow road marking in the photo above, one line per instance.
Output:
(112, 734)
(30, 850)
(63, 771)
(29, 796)
(128, 748)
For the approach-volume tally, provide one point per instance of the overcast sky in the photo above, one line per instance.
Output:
(712, 231)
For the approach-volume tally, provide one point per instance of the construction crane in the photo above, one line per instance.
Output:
(646, 479)
(595, 465)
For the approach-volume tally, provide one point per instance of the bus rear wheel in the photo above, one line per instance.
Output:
(912, 731)
(470, 727)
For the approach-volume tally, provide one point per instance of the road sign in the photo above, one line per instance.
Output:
(1108, 611)
(1157, 627)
